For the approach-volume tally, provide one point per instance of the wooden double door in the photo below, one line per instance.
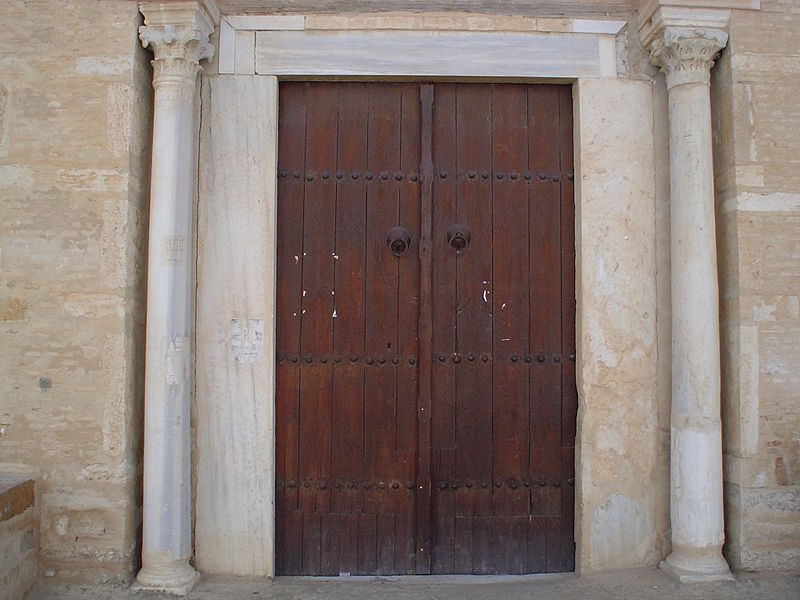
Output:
(426, 396)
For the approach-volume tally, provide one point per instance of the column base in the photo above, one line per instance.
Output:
(696, 569)
(178, 581)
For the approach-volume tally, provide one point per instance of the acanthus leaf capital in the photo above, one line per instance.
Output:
(686, 55)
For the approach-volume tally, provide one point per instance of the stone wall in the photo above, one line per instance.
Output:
(75, 106)
(757, 168)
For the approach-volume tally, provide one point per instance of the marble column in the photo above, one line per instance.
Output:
(686, 56)
(178, 34)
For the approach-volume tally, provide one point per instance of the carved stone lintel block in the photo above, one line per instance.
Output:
(686, 55)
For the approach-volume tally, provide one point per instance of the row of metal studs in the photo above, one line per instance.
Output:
(528, 358)
(381, 360)
(498, 483)
(412, 360)
(323, 484)
(442, 485)
(399, 176)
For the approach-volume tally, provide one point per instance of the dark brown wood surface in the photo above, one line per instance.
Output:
(425, 403)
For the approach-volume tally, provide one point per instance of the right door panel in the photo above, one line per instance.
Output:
(503, 386)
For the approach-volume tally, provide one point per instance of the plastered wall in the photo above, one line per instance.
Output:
(757, 172)
(75, 112)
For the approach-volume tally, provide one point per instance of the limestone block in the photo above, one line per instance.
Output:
(104, 65)
(235, 337)
(776, 141)
(732, 505)
(768, 32)
(19, 552)
(16, 495)
(622, 532)
(751, 471)
(16, 176)
(616, 329)
(13, 309)
(779, 355)
(770, 308)
(740, 407)
(4, 118)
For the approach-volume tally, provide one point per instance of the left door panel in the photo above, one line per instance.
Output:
(347, 313)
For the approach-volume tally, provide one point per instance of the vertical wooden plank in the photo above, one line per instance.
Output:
(329, 544)
(405, 356)
(293, 560)
(536, 558)
(385, 541)
(509, 554)
(442, 327)
(560, 542)
(367, 544)
(312, 543)
(511, 316)
(483, 559)
(291, 158)
(318, 282)
(350, 289)
(381, 326)
(567, 191)
(422, 549)
(545, 295)
(348, 543)
(569, 392)
(463, 547)
(474, 304)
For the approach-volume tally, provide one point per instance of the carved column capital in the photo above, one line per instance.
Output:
(686, 55)
(178, 34)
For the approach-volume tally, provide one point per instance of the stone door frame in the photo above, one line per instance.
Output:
(615, 229)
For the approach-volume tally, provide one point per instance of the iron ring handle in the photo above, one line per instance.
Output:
(459, 237)
(399, 240)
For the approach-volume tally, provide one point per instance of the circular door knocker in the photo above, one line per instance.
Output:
(458, 237)
(399, 240)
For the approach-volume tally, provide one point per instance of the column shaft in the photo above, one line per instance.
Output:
(696, 504)
(696, 448)
(166, 543)
(179, 38)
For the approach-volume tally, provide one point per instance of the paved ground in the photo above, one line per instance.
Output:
(633, 584)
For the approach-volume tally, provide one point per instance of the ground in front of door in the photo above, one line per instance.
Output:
(629, 584)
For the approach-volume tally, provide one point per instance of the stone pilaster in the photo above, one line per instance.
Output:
(686, 56)
(178, 33)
